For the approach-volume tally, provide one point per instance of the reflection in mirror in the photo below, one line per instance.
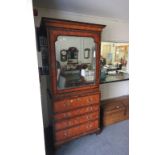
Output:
(114, 59)
(87, 53)
(76, 61)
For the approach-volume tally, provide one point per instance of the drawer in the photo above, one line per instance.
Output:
(77, 112)
(113, 112)
(115, 117)
(113, 107)
(75, 131)
(68, 104)
(76, 121)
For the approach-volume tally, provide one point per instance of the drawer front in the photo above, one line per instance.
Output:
(77, 112)
(68, 104)
(81, 129)
(111, 108)
(113, 117)
(75, 121)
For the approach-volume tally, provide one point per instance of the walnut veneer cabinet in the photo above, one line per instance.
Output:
(74, 65)
(115, 110)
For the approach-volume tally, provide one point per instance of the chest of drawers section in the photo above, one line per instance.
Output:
(75, 117)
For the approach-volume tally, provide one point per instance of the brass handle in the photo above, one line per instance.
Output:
(90, 108)
(89, 126)
(88, 117)
(65, 134)
(71, 101)
(117, 106)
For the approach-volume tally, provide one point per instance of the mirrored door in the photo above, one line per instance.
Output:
(75, 61)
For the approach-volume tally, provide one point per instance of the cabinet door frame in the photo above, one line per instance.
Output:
(53, 34)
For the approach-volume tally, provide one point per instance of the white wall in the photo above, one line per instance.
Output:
(21, 129)
(116, 30)
(114, 89)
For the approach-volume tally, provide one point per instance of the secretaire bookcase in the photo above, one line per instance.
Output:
(73, 52)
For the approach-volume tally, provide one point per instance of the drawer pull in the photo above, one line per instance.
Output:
(89, 126)
(117, 106)
(65, 134)
(90, 108)
(88, 117)
(71, 101)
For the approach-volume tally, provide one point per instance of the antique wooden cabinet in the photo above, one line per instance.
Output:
(74, 71)
(114, 110)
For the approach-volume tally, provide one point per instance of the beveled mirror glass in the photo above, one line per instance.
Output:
(74, 67)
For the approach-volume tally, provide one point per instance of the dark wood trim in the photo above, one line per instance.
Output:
(51, 22)
(53, 37)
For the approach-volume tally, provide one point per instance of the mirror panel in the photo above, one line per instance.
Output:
(75, 61)
(114, 61)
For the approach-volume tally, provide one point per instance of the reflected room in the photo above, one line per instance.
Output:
(114, 61)
(75, 58)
